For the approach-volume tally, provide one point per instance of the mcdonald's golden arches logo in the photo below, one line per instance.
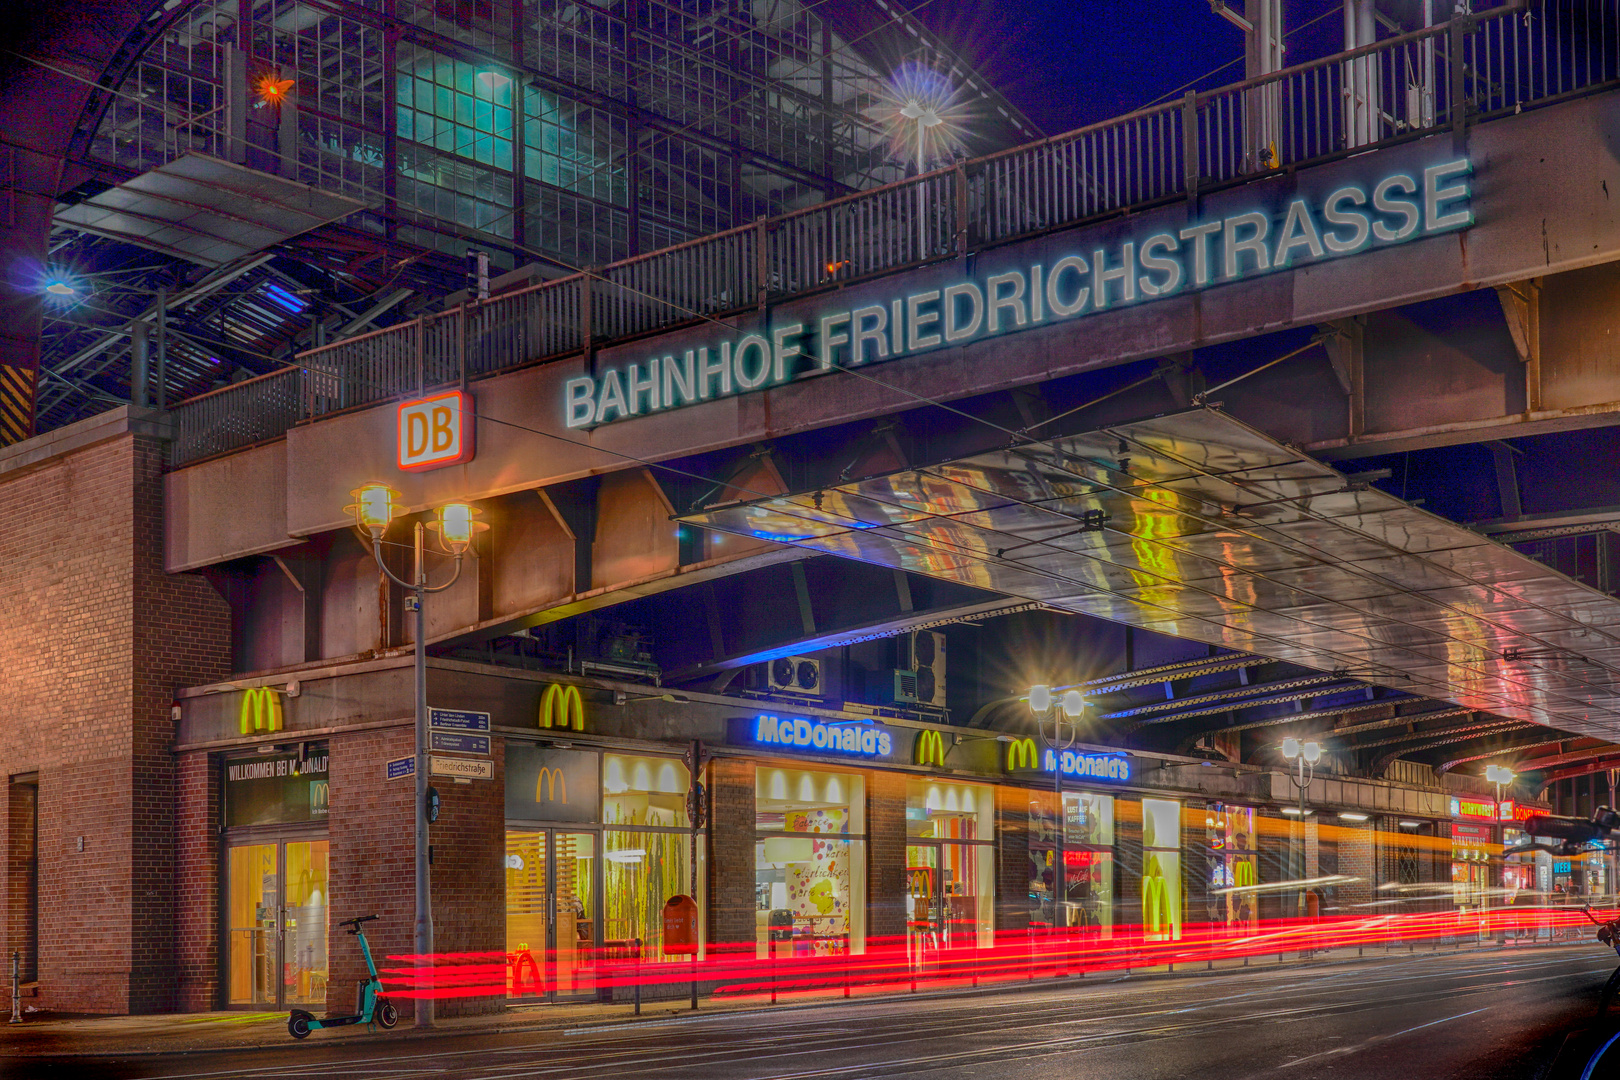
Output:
(553, 781)
(1021, 754)
(562, 707)
(930, 748)
(261, 710)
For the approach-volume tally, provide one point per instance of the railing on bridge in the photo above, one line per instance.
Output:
(1472, 69)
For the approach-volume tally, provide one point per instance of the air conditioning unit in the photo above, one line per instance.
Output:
(794, 675)
(920, 678)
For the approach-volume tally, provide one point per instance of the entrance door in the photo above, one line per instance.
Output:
(276, 923)
(550, 913)
(925, 922)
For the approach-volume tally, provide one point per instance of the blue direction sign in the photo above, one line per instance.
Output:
(459, 743)
(456, 720)
(405, 766)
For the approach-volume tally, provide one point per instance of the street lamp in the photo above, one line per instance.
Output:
(1304, 755)
(926, 116)
(374, 507)
(1062, 710)
(1500, 775)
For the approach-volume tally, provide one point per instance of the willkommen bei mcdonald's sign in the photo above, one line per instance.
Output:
(436, 431)
(562, 707)
(261, 711)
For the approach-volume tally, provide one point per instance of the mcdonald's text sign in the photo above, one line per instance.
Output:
(437, 431)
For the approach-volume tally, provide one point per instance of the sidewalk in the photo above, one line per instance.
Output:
(45, 1035)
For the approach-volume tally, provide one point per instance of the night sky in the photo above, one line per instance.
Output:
(1067, 63)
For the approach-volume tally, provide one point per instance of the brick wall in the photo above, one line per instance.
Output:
(95, 639)
(373, 866)
(196, 883)
(18, 844)
(731, 862)
(886, 854)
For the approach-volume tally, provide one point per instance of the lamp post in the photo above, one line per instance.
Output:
(374, 506)
(1062, 712)
(1304, 755)
(926, 116)
(1499, 775)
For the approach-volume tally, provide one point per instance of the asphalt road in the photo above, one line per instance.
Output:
(1472, 1016)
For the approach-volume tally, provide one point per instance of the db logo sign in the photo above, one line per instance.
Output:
(436, 431)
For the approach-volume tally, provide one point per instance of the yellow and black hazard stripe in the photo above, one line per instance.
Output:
(16, 403)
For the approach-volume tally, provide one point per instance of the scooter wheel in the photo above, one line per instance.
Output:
(298, 1027)
(387, 1015)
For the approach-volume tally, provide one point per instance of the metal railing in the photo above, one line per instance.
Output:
(1472, 69)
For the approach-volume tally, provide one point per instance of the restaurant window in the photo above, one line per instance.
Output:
(810, 861)
(1085, 897)
(1234, 867)
(950, 864)
(646, 849)
(1161, 869)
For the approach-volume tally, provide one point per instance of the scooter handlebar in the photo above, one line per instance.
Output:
(357, 920)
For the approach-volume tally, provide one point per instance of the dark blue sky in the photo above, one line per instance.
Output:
(1066, 63)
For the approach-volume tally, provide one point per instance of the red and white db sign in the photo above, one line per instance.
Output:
(436, 431)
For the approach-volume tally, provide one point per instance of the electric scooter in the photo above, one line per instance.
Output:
(370, 1006)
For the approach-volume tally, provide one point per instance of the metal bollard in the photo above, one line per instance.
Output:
(16, 987)
(637, 970)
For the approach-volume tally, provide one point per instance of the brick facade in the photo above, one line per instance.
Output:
(196, 879)
(886, 855)
(96, 639)
(731, 861)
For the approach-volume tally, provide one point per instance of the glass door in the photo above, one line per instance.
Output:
(925, 924)
(276, 923)
(550, 913)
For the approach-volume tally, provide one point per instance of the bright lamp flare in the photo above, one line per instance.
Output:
(1074, 703)
(1040, 698)
(1290, 748)
(457, 525)
(918, 96)
(1313, 752)
(374, 506)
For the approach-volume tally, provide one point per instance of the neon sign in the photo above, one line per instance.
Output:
(1474, 809)
(1350, 220)
(819, 735)
(1090, 766)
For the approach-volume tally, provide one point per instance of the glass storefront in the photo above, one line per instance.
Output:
(611, 847)
(1086, 895)
(276, 878)
(950, 865)
(277, 923)
(809, 861)
(1161, 869)
(1470, 866)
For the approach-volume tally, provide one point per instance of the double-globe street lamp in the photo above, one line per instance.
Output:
(374, 506)
(1061, 710)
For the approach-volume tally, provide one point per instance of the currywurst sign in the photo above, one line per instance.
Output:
(1351, 219)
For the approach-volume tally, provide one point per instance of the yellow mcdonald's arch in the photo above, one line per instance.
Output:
(553, 780)
(1021, 754)
(930, 748)
(562, 707)
(261, 710)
